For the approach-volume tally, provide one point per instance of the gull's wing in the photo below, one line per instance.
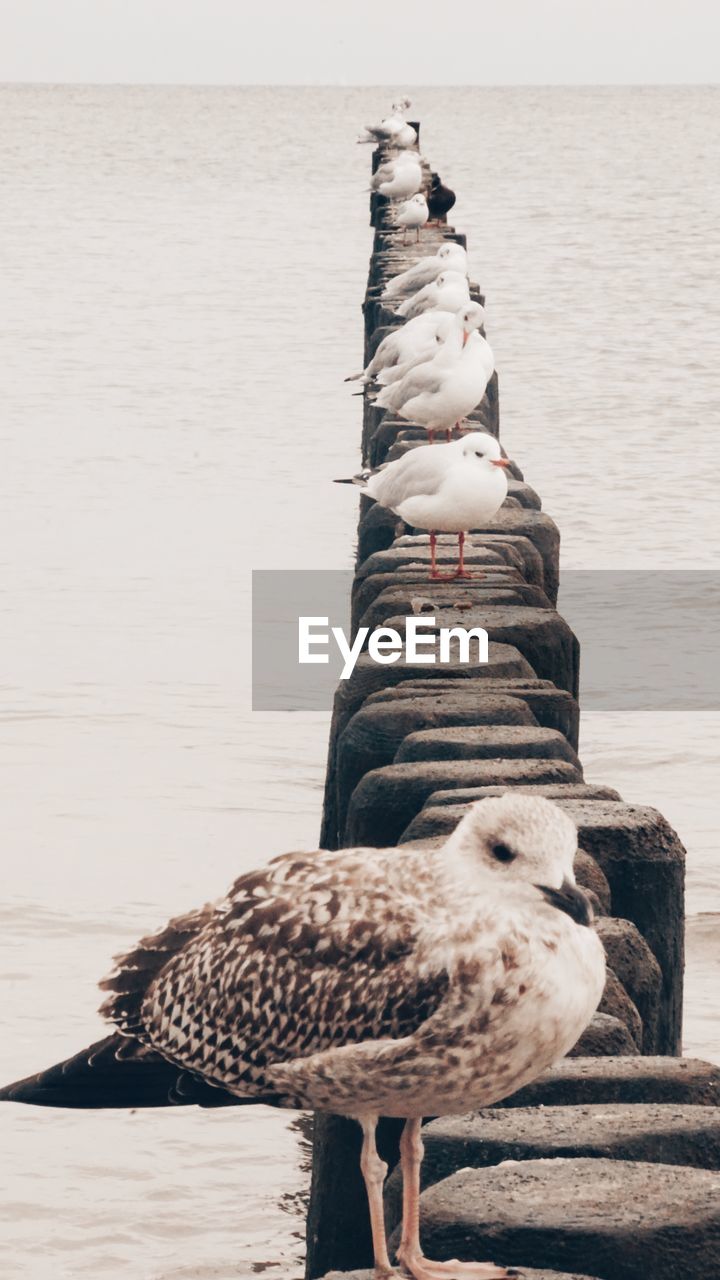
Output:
(420, 378)
(387, 353)
(420, 274)
(415, 304)
(464, 1011)
(312, 952)
(392, 375)
(421, 471)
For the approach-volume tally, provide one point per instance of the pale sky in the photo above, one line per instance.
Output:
(394, 42)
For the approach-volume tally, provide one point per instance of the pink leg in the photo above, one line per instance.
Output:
(410, 1254)
(434, 575)
(462, 572)
(373, 1170)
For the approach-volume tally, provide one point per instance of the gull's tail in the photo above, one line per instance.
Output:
(360, 479)
(118, 1072)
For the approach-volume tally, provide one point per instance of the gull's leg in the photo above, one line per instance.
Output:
(433, 574)
(410, 1254)
(373, 1170)
(462, 572)
(437, 577)
(411, 1154)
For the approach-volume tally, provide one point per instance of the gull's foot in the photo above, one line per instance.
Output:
(453, 577)
(420, 1268)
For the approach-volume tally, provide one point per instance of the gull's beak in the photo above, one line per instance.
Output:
(500, 462)
(570, 899)
(466, 335)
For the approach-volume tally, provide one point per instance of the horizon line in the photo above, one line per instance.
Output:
(328, 84)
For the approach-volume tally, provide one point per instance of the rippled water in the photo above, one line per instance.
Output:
(183, 270)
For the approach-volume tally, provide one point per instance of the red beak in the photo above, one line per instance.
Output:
(466, 335)
(500, 462)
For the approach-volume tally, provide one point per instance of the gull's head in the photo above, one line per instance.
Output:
(450, 277)
(482, 450)
(470, 318)
(418, 199)
(402, 104)
(452, 252)
(515, 837)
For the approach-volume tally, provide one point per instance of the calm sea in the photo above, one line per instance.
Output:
(182, 275)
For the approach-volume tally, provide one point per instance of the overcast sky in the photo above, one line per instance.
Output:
(396, 42)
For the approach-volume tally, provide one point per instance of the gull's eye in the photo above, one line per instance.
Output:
(479, 453)
(502, 852)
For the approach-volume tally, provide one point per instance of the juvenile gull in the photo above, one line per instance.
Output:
(378, 982)
(446, 488)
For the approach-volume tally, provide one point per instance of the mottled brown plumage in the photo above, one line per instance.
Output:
(400, 982)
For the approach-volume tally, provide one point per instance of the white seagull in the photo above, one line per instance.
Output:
(449, 257)
(365, 982)
(406, 179)
(410, 379)
(449, 291)
(439, 399)
(404, 345)
(387, 171)
(394, 130)
(412, 215)
(446, 488)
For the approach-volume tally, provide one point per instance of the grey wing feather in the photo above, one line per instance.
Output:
(421, 378)
(418, 472)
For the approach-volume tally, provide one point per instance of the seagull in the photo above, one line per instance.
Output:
(440, 392)
(446, 293)
(406, 136)
(405, 345)
(449, 257)
(412, 214)
(473, 317)
(453, 332)
(367, 982)
(386, 172)
(446, 488)
(394, 130)
(405, 180)
(440, 199)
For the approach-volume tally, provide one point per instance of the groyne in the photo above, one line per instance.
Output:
(624, 1130)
